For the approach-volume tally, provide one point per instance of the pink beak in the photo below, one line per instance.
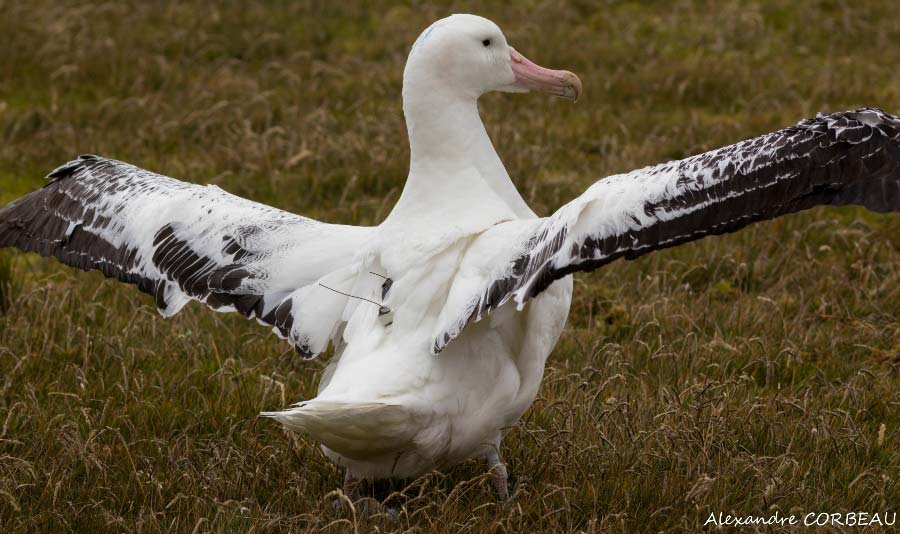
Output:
(533, 77)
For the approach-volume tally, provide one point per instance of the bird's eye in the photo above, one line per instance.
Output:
(486, 42)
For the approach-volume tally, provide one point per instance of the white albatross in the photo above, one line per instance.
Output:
(467, 289)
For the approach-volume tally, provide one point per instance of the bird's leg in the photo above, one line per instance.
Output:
(351, 485)
(498, 474)
(350, 489)
(365, 506)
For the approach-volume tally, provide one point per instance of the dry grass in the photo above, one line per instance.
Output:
(750, 373)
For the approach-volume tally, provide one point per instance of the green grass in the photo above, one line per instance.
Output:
(743, 374)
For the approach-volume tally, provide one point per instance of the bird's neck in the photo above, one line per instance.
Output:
(452, 160)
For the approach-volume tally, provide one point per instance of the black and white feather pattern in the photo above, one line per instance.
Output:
(179, 241)
(835, 159)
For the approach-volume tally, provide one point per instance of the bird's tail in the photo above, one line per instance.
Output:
(359, 431)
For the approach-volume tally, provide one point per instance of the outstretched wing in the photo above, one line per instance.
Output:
(838, 159)
(180, 241)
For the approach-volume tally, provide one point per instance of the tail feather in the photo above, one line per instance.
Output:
(359, 431)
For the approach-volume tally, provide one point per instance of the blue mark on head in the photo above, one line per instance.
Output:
(423, 36)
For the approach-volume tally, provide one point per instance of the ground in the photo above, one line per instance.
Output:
(742, 374)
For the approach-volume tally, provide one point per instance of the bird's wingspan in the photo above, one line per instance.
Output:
(839, 159)
(179, 241)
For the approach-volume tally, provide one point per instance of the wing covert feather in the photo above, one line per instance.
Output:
(178, 241)
(835, 159)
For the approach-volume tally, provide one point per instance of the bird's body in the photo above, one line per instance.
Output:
(443, 316)
(391, 408)
(388, 407)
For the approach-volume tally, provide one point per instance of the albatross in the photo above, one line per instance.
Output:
(443, 316)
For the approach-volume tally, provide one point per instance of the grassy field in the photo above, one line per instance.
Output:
(744, 374)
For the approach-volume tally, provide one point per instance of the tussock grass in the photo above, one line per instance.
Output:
(744, 374)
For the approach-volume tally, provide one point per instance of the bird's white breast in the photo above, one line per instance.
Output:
(451, 406)
(403, 410)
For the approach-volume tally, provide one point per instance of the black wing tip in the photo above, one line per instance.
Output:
(870, 116)
(869, 110)
(855, 126)
(72, 167)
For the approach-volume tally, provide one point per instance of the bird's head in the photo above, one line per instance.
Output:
(469, 55)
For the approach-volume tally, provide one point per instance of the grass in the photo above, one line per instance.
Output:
(743, 374)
